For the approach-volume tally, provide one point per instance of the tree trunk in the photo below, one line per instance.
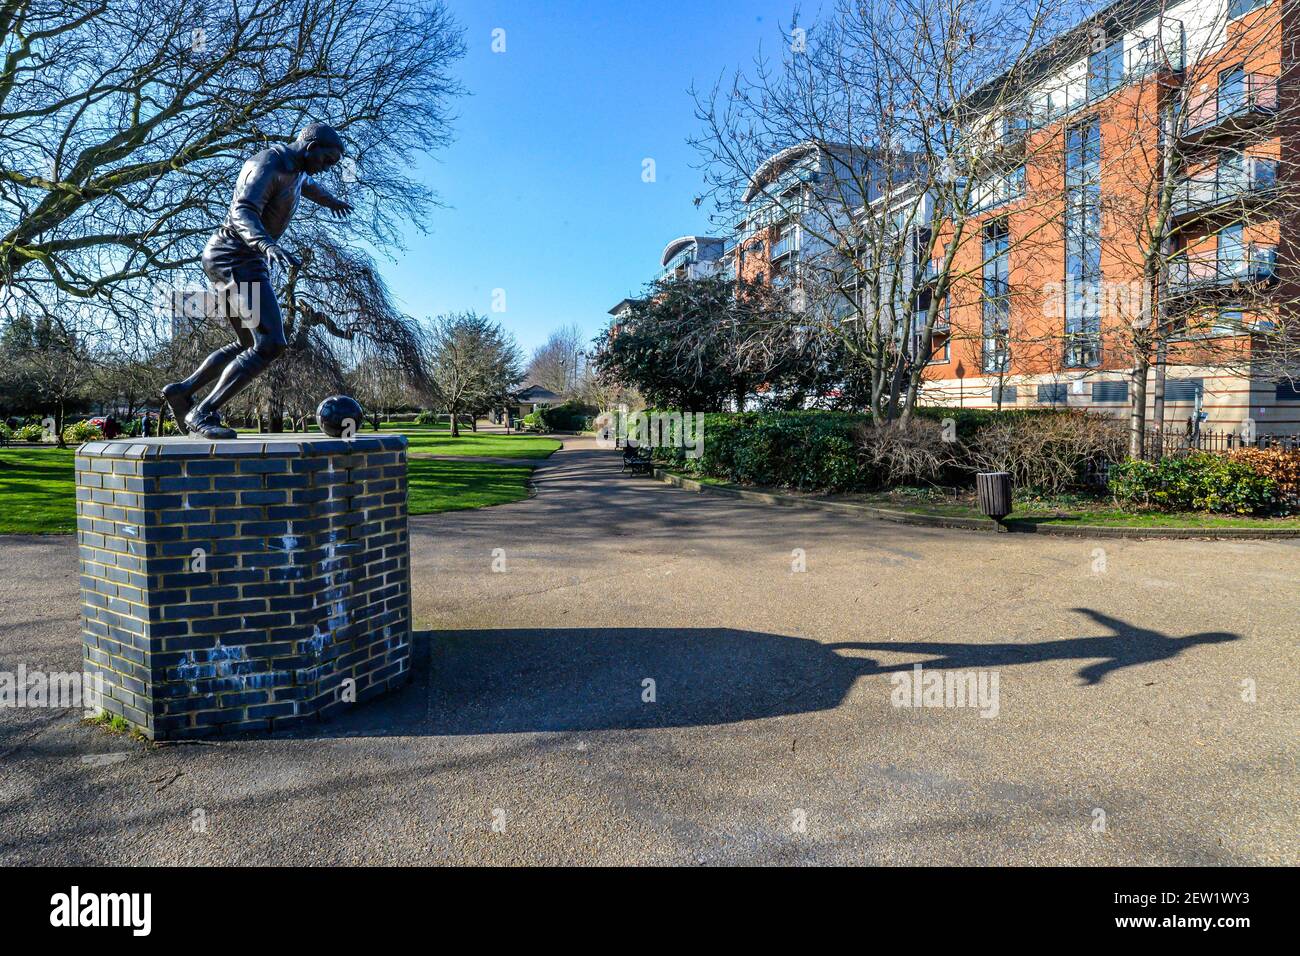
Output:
(455, 425)
(1138, 407)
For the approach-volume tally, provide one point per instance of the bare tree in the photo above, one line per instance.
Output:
(862, 146)
(1197, 198)
(473, 363)
(123, 127)
(558, 363)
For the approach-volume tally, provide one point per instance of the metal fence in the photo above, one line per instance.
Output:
(1169, 442)
(1164, 443)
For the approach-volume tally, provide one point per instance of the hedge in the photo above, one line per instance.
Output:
(1199, 481)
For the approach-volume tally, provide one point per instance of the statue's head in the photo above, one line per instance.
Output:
(321, 147)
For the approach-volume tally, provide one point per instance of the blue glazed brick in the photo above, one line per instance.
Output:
(210, 466)
(263, 497)
(184, 484)
(263, 466)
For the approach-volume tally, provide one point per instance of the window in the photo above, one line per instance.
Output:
(1105, 69)
(1053, 393)
(1231, 252)
(1228, 321)
(1239, 8)
(939, 347)
(996, 289)
(1232, 91)
(1083, 244)
(1004, 394)
(996, 190)
(1184, 389)
(1288, 390)
(1109, 392)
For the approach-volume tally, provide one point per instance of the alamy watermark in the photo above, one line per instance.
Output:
(651, 429)
(240, 301)
(24, 688)
(950, 688)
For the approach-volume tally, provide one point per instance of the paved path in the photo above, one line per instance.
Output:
(772, 737)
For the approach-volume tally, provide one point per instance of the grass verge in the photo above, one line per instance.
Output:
(434, 485)
(1072, 511)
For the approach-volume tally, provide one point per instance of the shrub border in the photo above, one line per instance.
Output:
(986, 525)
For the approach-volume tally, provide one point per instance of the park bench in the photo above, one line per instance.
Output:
(637, 459)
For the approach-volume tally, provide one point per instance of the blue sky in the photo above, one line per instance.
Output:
(543, 188)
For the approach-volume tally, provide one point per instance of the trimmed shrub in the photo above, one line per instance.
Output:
(1280, 464)
(1199, 481)
(915, 453)
(569, 417)
(969, 421)
(80, 432)
(532, 422)
(807, 450)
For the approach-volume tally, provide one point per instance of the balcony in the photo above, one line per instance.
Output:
(1251, 265)
(785, 246)
(1232, 108)
(1225, 188)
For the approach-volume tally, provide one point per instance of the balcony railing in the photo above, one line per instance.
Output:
(1255, 262)
(1225, 184)
(784, 246)
(1253, 93)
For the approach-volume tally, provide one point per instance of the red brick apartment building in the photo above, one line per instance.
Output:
(1048, 280)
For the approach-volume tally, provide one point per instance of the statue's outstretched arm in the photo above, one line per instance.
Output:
(323, 197)
(318, 194)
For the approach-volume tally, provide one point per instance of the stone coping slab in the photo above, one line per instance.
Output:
(285, 443)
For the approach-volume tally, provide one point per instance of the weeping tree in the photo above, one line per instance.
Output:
(123, 127)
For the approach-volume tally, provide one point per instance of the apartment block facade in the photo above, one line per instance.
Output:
(1065, 164)
(1070, 243)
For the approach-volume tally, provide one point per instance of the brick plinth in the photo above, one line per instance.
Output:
(243, 585)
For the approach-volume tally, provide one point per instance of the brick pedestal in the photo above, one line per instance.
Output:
(243, 585)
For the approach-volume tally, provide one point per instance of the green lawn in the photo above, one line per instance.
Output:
(434, 485)
(490, 446)
(37, 494)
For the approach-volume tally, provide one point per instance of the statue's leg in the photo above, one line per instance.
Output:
(267, 345)
(180, 395)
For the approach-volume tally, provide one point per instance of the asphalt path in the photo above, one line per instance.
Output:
(663, 677)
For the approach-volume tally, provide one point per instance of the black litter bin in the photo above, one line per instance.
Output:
(994, 490)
